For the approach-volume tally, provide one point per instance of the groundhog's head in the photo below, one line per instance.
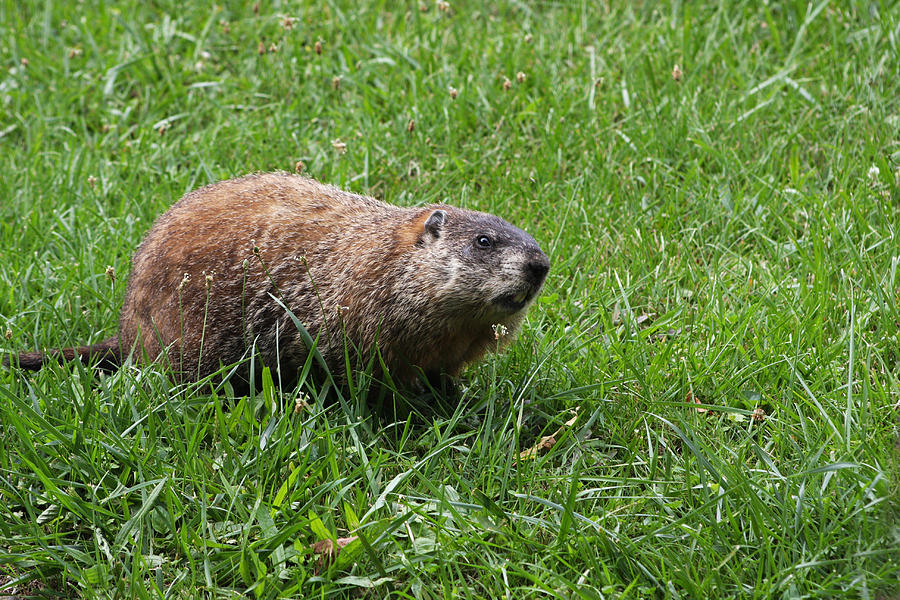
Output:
(485, 265)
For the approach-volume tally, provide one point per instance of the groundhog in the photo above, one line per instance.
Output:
(422, 291)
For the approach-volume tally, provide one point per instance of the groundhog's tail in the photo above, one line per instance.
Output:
(105, 356)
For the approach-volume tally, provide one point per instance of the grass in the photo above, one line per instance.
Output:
(727, 238)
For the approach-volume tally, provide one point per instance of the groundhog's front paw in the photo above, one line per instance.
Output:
(441, 384)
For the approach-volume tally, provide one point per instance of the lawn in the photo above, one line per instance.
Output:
(715, 352)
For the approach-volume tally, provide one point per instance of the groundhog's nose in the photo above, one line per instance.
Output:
(537, 266)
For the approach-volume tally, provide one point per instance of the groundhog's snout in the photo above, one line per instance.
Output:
(536, 269)
(536, 266)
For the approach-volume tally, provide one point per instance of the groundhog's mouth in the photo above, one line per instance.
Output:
(514, 302)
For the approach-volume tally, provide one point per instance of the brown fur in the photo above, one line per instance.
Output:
(357, 272)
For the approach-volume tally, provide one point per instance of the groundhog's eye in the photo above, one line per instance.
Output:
(484, 241)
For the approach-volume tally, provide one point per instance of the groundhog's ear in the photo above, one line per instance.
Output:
(435, 222)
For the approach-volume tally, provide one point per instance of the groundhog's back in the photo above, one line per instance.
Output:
(204, 272)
